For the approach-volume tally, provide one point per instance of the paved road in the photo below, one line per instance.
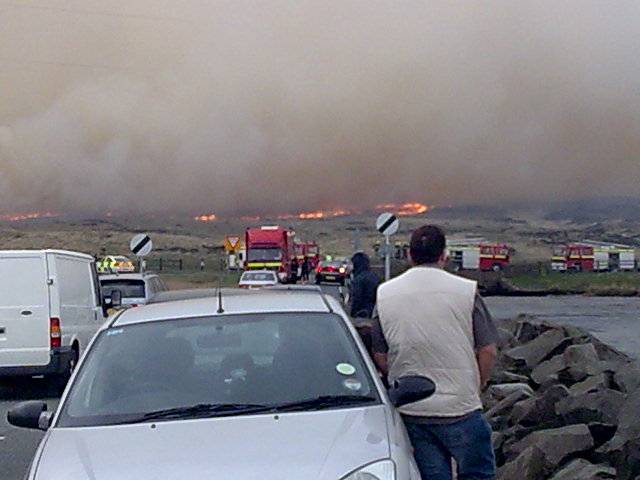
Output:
(17, 445)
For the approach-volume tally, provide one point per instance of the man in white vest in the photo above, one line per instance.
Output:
(435, 324)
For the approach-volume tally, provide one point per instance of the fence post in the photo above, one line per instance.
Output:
(160, 264)
(180, 264)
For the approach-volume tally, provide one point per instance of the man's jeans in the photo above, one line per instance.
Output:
(468, 442)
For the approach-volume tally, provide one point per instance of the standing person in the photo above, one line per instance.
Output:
(294, 269)
(435, 324)
(364, 286)
(305, 270)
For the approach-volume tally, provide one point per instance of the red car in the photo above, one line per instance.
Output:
(332, 271)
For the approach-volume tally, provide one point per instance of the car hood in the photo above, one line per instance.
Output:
(319, 445)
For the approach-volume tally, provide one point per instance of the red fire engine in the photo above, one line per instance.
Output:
(573, 257)
(494, 256)
(313, 254)
(483, 256)
(271, 248)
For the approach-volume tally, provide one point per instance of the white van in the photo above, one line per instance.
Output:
(50, 308)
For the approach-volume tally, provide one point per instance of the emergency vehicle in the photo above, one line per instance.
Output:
(301, 251)
(236, 258)
(115, 264)
(271, 248)
(313, 254)
(593, 256)
(478, 255)
(575, 257)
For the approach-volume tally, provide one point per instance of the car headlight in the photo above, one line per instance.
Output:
(383, 470)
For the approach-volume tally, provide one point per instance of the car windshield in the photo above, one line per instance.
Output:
(128, 288)
(333, 264)
(264, 254)
(133, 372)
(258, 277)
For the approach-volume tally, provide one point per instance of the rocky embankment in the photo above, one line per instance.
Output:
(563, 405)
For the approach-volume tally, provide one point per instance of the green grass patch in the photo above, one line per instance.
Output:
(590, 283)
(206, 279)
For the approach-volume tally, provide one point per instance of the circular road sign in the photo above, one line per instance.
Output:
(387, 223)
(141, 245)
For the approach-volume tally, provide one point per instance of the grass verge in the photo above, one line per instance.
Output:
(588, 283)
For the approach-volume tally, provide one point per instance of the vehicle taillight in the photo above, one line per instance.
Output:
(55, 336)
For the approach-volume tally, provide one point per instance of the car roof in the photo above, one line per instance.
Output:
(40, 252)
(127, 276)
(234, 301)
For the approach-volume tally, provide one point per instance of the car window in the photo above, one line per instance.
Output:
(128, 288)
(264, 254)
(258, 277)
(262, 359)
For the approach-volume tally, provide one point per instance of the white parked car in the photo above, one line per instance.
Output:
(50, 308)
(135, 288)
(271, 384)
(258, 279)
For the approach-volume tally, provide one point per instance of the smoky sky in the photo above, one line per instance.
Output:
(268, 106)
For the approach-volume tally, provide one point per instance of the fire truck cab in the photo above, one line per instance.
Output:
(271, 248)
(576, 257)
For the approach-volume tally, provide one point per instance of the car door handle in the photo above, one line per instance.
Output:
(2, 330)
(26, 313)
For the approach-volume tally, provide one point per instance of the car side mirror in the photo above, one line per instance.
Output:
(31, 414)
(411, 389)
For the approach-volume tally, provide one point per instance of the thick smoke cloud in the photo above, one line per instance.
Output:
(242, 107)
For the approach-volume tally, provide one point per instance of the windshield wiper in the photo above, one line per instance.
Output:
(323, 401)
(203, 410)
(230, 409)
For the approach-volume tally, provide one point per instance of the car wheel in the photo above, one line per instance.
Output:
(496, 267)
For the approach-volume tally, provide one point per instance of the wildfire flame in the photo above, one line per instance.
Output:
(317, 215)
(402, 209)
(211, 217)
(17, 217)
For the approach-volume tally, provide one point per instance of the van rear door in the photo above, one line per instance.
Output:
(24, 310)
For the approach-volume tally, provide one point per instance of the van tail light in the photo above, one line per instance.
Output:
(55, 336)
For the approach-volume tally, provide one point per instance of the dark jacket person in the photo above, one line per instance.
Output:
(435, 324)
(364, 286)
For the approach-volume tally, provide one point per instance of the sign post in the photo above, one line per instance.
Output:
(387, 224)
(141, 246)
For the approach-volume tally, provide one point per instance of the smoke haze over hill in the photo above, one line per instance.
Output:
(243, 107)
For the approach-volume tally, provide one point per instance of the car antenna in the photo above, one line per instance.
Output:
(220, 309)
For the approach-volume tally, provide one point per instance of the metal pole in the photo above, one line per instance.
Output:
(387, 258)
(141, 262)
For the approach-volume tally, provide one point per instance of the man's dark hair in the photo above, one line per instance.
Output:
(360, 262)
(427, 244)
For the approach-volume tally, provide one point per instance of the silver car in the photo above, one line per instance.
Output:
(269, 384)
